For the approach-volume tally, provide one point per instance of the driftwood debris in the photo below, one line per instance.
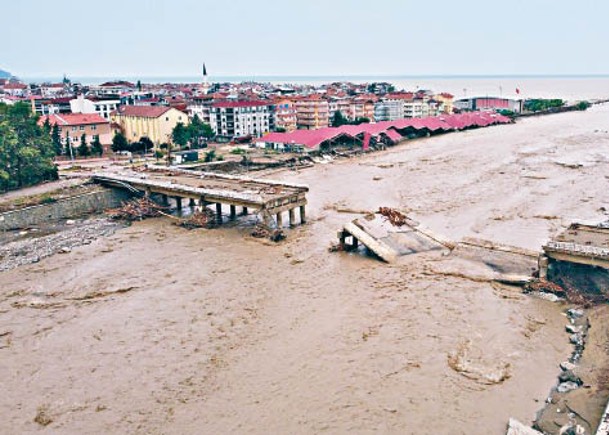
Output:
(262, 232)
(137, 210)
(396, 218)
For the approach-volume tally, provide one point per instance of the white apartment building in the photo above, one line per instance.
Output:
(389, 110)
(417, 108)
(103, 107)
(240, 118)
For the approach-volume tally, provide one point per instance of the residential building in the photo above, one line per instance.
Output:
(53, 90)
(284, 114)
(48, 106)
(16, 89)
(73, 125)
(114, 89)
(200, 105)
(446, 101)
(312, 112)
(416, 108)
(240, 118)
(388, 110)
(154, 122)
(103, 107)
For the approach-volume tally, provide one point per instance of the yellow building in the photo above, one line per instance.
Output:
(154, 122)
(447, 101)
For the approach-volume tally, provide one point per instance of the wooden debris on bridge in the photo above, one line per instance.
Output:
(137, 210)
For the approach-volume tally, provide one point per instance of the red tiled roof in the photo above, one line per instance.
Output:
(400, 96)
(142, 111)
(118, 83)
(63, 119)
(12, 85)
(241, 103)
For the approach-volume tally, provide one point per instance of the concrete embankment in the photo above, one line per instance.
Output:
(65, 208)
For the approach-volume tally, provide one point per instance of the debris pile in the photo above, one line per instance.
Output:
(261, 232)
(137, 210)
(199, 219)
(396, 218)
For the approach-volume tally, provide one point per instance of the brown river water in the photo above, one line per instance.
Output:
(157, 329)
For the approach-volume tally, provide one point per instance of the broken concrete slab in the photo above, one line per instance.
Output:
(355, 230)
(517, 428)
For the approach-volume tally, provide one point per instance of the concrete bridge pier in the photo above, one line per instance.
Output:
(233, 211)
(303, 218)
(219, 212)
(178, 200)
(279, 220)
(191, 202)
(292, 217)
(244, 211)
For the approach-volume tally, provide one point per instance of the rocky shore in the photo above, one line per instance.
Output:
(31, 245)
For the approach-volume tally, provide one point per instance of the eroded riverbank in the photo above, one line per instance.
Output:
(156, 329)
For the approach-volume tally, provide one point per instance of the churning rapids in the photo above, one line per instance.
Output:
(156, 329)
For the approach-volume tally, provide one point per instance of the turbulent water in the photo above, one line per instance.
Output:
(157, 329)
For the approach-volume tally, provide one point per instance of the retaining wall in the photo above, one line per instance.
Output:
(66, 208)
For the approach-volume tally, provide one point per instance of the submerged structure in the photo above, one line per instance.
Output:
(578, 259)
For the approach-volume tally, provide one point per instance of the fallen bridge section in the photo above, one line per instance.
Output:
(270, 199)
(578, 259)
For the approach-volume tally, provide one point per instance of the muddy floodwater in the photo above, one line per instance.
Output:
(157, 329)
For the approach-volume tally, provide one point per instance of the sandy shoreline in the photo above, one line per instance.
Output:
(160, 330)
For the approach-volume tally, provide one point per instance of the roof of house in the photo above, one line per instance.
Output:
(142, 111)
(250, 103)
(71, 119)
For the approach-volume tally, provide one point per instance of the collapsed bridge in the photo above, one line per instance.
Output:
(270, 199)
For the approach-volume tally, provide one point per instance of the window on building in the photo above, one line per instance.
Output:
(94, 127)
(82, 127)
(74, 128)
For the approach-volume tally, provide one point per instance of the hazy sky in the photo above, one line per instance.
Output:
(308, 37)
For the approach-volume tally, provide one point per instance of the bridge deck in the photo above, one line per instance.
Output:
(270, 198)
(581, 243)
(212, 188)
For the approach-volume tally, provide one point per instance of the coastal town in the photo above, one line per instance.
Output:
(234, 113)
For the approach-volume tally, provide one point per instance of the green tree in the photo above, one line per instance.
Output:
(119, 142)
(582, 105)
(56, 139)
(47, 125)
(198, 131)
(339, 119)
(210, 156)
(96, 147)
(146, 143)
(179, 135)
(83, 148)
(26, 150)
(361, 120)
